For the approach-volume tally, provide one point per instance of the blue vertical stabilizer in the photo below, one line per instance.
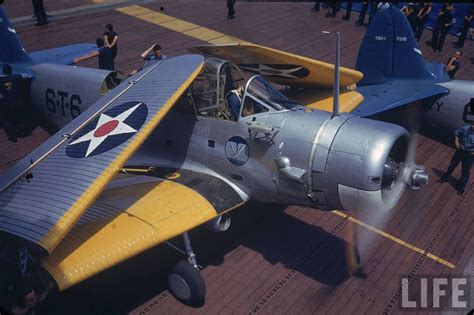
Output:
(389, 50)
(11, 50)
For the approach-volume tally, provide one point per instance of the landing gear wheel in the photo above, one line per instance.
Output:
(187, 284)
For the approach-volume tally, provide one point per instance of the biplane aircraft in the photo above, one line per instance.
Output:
(182, 143)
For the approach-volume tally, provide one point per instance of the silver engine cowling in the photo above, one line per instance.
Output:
(360, 163)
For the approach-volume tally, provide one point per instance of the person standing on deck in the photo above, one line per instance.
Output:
(347, 16)
(14, 112)
(103, 52)
(373, 10)
(111, 40)
(464, 142)
(437, 26)
(333, 8)
(40, 13)
(465, 28)
(316, 6)
(230, 8)
(448, 21)
(421, 19)
(363, 10)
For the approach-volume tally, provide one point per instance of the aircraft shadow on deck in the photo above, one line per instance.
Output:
(266, 229)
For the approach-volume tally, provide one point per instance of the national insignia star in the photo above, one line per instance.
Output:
(106, 126)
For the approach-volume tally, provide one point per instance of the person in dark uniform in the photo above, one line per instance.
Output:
(347, 16)
(437, 27)
(421, 19)
(409, 11)
(464, 142)
(412, 15)
(13, 114)
(40, 13)
(6, 90)
(316, 6)
(373, 10)
(111, 40)
(234, 99)
(103, 52)
(230, 9)
(465, 29)
(363, 10)
(453, 64)
(333, 8)
(448, 21)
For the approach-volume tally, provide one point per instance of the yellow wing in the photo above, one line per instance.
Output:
(279, 66)
(323, 99)
(134, 214)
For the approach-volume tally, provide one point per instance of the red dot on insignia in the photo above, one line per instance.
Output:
(106, 128)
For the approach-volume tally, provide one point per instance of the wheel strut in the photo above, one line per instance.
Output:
(189, 251)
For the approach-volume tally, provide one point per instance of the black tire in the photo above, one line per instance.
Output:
(187, 285)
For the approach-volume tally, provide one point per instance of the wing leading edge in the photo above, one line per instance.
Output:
(71, 169)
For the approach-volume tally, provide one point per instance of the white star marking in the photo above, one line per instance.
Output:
(121, 128)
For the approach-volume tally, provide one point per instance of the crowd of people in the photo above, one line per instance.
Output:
(417, 15)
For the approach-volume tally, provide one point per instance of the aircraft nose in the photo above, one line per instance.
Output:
(365, 164)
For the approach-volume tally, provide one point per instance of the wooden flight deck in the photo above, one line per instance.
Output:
(272, 260)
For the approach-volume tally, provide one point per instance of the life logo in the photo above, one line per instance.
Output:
(237, 151)
(109, 130)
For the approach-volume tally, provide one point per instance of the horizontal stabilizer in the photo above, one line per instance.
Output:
(437, 70)
(62, 55)
(396, 94)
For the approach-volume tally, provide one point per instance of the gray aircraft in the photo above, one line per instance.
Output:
(451, 111)
(167, 151)
(180, 144)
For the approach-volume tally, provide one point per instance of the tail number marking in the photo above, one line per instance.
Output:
(61, 101)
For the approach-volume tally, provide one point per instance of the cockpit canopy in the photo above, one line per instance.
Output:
(263, 91)
(222, 91)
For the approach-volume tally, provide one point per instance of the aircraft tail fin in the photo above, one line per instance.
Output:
(389, 50)
(11, 49)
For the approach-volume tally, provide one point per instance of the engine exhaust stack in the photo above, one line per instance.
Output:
(219, 224)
